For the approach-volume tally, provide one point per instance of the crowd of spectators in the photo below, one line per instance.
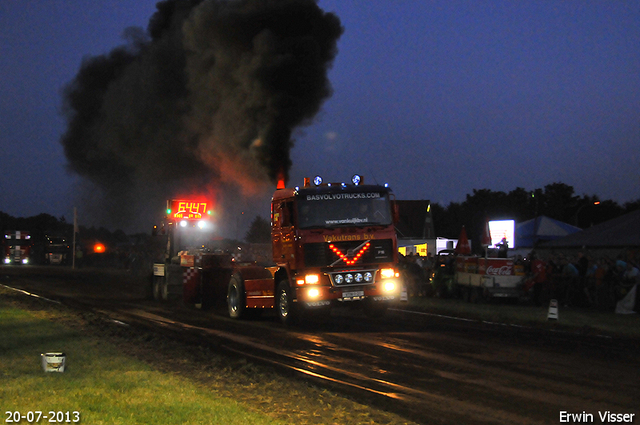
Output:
(580, 280)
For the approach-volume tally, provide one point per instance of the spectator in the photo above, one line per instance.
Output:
(570, 276)
(539, 273)
(503, 248)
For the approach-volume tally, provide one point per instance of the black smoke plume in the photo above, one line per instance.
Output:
(205, 100)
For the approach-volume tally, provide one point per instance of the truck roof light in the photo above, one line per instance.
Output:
(356, 179)
(317, 180)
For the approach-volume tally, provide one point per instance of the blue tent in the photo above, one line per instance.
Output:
(542, 229)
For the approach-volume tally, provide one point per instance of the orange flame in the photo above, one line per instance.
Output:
(281, 180)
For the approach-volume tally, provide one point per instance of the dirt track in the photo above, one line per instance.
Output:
(427, 369)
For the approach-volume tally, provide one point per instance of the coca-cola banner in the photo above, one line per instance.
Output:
(496, 267)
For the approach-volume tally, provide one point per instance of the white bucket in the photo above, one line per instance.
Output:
(53, 362)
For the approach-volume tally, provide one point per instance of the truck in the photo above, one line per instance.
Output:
(333, 245)
(57, 250)
(17, 247)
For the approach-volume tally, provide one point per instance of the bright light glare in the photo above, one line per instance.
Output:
(387, 273)
(313, 293)
(202, 224)
(311, 278)
(389, 286)
(183, 223)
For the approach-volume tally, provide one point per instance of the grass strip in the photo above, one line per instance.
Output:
(120, 375)
(102, 384)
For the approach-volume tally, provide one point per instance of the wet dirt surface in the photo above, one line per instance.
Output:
(425, 368)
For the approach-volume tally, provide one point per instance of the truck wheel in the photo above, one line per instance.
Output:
(157, 288)
(235, 298)
(164, 289)
(169, 293)
(285, 306)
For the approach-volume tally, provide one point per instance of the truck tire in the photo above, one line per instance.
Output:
(157, 288)
(169, 293)
(164, 289)
(236, 298)
(286, 308)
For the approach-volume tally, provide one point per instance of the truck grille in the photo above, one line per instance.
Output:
(320, 255)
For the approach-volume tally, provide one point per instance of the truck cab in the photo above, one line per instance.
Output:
(334, 244)
(17, 247)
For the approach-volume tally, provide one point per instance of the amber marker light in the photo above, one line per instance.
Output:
(98, 248)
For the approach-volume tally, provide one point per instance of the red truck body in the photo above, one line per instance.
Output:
(332, 245)
(17, 247)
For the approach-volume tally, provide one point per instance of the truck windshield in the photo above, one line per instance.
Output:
(344, 209)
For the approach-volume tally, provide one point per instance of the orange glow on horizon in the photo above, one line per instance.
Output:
(99, 248)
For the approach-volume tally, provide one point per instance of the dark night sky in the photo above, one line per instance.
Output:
(436, 98)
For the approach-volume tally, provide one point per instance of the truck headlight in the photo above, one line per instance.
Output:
(390, 286)
(387, 273)
(309, 279)
(313, 293)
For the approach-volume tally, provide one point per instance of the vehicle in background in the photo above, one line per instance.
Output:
(480, 277)
(57, 250)
(17, 247)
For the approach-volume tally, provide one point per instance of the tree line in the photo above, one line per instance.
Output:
(556, 200)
